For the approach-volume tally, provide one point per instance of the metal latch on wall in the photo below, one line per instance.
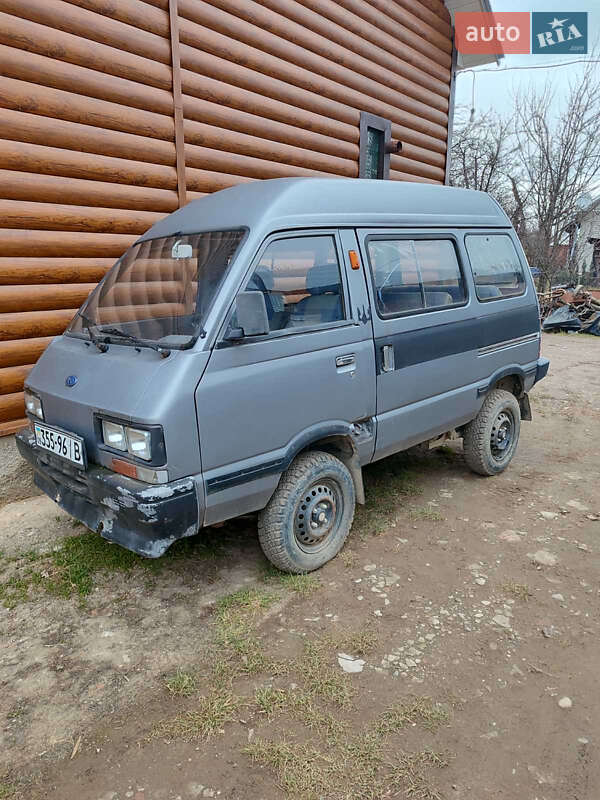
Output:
(387, 358)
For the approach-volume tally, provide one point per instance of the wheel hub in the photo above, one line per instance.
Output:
(502, 435)
(315, 515)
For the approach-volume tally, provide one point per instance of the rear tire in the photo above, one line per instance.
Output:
(309, 516)
(491, 439)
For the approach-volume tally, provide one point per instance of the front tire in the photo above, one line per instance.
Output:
(491, 439)
(309, 516)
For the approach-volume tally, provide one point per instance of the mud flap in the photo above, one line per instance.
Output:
(525, 407)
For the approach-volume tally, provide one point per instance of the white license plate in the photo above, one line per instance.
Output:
(61, 444)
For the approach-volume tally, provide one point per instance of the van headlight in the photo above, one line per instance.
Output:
(114, 435)
(33, 404)
(139, 443)
(135, 441)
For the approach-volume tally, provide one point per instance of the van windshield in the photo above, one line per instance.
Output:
(161, 289)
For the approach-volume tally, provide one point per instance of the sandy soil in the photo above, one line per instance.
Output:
(482, 595)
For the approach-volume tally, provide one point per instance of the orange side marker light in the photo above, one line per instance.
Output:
(354, 262)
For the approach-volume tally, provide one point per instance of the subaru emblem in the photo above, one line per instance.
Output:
(71, 380)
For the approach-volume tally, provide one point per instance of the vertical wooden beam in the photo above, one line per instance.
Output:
(451, 107)
(177, 102)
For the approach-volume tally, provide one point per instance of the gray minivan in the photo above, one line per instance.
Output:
(255, 349)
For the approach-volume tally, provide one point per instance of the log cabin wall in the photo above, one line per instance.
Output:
(115, 112)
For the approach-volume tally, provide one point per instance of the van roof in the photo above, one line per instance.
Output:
(283, 203)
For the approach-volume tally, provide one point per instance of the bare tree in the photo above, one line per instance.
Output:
(558, 148)
(483, 157)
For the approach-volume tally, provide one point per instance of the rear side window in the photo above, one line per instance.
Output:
(496, 266)
(415, 275)
(301, 282)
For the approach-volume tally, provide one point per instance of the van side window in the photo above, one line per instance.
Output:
(415, 275)
(301, 282)
(496, 267)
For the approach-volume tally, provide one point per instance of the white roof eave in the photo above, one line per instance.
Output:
(466, 60)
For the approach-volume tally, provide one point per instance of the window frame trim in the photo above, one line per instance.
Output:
(412, 312)
(283, 332)
(485, 300)
(368, 120)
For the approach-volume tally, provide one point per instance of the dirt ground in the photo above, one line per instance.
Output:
(450, 651)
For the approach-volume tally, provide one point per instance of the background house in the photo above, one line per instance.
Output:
(116, 113)
(585, 242)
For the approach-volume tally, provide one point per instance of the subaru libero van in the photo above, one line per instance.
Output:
(255, 349)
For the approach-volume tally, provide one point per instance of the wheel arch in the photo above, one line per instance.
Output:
(511, 379)
(336, 439)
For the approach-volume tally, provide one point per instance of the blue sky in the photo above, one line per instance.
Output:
(494, 89)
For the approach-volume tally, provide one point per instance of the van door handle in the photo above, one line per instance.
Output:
(345, 361)
(387, 358)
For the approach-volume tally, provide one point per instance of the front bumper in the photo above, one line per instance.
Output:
(144, 518)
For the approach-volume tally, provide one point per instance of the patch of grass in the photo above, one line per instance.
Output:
(302, 706)
(181, 683)
(425, 513)
(213, 712)
(413, 710)
(387, 482)
(321, 679)
(349, 559)
(359, 642)
(301, 584)
(7, 790)
(519, 590)
(303, 772)
(407, 774)
(71, 568)
(269, 700)
(239, 651)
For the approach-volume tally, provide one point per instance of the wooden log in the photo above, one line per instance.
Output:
(37, 69)
(132, 12)
(81, 22)
(428, 27)
(222, 115)
(435, 49)
(21, 127)
(22, 325)
(14, 426)
(399, 162)
(397, 175)
(206, 181)
(55, 103)
(421, 154)
(43, 298)
(23, 272)
(433, 12)
(302, 68)
(345, 32)
(49, 244)
(195, 59)
(233, 86)
(22, 351)
(54, 189)
(238, 164)
(25, 157)
(12, 378)
(12, 406)
(418, 58)
(48, 41)
(55, 217)
(234, 142)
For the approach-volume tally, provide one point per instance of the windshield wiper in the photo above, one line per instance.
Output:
(162, 351)
(88, 324)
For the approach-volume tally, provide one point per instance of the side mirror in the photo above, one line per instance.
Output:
(251, 314)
